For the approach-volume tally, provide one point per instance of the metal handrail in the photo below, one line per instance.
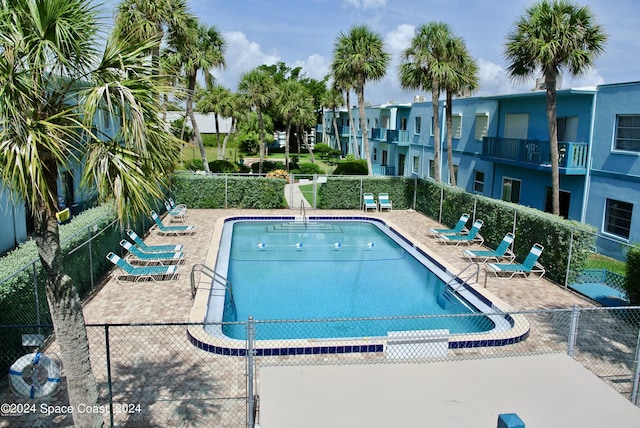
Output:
(453, 280)
(216, 277)
(303, 212)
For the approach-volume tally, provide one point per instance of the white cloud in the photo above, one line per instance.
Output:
(367, 4)
(315, 66)
(494, 80)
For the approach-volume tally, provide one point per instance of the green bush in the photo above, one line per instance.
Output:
(346, 192)
(356, 167)
(267, 166)
(308, 169)
(632, 277)
(223, 166)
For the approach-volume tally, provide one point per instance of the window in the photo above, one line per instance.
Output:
(456, 126)
(375, 123)
(511, 190)
(478, 181)
(432, 126)
(482, 126)
(418, 126)
(385, 156)
(565, 201)
(516, 126)
(628, 133)
(567, 128)
(385, 122)
(403, 124)
(106, 120)
(432, 169)
(375, 153)
(416, 164)
(455, 174)
(617, 218)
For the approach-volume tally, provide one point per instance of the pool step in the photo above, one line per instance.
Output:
(309, 226)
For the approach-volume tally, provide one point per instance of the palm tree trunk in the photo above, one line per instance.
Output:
(435, 95)
(287, 133)
(261, 126)
(363, 128)
(352, 126)
(337, 131)
(550, 81)
(449, 118)
(66, 313)
(305, 140)
(194, 124)
(220, 151)
(232, 130)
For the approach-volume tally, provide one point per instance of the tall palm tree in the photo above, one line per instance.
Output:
(295, 105)
(425, 65)
(233, 107)
(198, 50)
(462, 80)
(551, 37)
(140, 20)
(258, 87)
(211, 100)
(55, 81)
(333, 99)
(360, 55)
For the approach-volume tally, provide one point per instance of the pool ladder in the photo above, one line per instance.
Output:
(302, 217)
(216, 277)
(457, 282)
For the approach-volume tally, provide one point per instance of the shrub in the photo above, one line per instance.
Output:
(308, 168)
(194, 165)
(278, 173)
(267, 166)
(356, 167)
(632, 278)
(222, 166)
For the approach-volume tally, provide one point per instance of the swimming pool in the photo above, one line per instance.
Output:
(351, 269)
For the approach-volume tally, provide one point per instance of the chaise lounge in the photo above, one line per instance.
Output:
(502, 252)
(137, 256)
(153, 248)
(457, 229)
(465, 238)
(141, 273)
(530, 268)
(161, 229)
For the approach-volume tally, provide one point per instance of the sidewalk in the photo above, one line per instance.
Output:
(294, 196)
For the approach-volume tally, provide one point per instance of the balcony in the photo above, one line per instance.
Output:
(379, 134)
(383, 170)
(391, 136)
(536, 154)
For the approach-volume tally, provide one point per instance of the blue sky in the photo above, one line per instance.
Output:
(303, 33)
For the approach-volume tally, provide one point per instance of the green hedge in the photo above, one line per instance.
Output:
(206, 191)
(632, 277)
(346, 192)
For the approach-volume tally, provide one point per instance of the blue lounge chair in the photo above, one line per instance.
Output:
(528, 268)
(457, 229)
(153, 248)
(502, 252)
(137, 256)
(177, 213)
(383, 202)
(369, 202)
(141, 273)
(465, 238)
(161, 229)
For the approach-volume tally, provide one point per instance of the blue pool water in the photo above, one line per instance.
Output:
(346, 271)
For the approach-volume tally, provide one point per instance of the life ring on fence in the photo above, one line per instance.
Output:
(34, 375)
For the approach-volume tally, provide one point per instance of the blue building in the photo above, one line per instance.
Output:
(501, 149)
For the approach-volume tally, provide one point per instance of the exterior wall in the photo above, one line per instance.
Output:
(614, 174)
(13, 227)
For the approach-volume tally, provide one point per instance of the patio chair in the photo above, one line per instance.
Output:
(176, 213)
(457, 229)
(141, 273)
(161, 229)
(383, 202)
(137, 256)
(502, 252)
(369, 202)
(528, 268)
(465, 238)
(153, 248)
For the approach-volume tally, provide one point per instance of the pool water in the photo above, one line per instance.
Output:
(304, 274)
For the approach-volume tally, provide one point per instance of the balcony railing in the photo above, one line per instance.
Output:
(536, 154)
(379, 134)
(393, 136)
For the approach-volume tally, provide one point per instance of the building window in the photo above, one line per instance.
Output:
(511, 190)
(432, 126)
(478, 181)
(617, 219)
(482, 126)
(455, 174)
(456, 126)
(375, 122)
(375, 154)
(416, 164)
(432, 169)
(403, 124)
(106, 120)
(418, 127)
(385, 156)
(567, 128)
(628, 133)
(385, 122)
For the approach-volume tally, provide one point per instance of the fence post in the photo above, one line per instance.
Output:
(441, 202)
(226, 191)
(566, 276)
(109, 389)
(250, 338)
(636, 373)
(91, 259)
(35, 294)
(573, 330)
(315, 189)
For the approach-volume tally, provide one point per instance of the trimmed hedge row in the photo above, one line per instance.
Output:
(632, 278)
(346, 192)
(202, 191)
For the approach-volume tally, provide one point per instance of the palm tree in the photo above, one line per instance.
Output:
(463, 80)
(295, 105)
(259, 89)
(551, 37)
(211, 100)
(425, 65)
(333, 99)
(140, 20)
(198, 50)
(233, 107)
(360, 55)
(55, 82)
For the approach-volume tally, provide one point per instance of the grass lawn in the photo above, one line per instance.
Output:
(598, 261)
(307, 192)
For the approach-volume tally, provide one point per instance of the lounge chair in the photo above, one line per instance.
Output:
(141, 273)
(161, 229)
(465, 238)
(528, 267)
(137, 256)
(176, 213)
(457, 229)
(369, 202)
(502, 252)
(153, 248)
(383, 202)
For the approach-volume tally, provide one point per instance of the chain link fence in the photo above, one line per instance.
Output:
(153, 375)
